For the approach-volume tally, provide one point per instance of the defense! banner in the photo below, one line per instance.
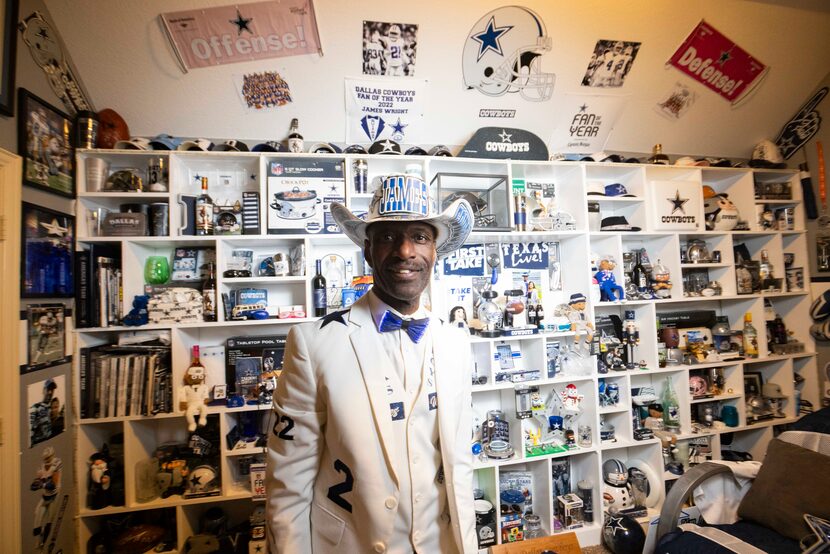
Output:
(710, 58)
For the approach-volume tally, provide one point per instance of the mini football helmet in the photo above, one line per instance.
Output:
(394, 32)
(614, 472)
(503, 54)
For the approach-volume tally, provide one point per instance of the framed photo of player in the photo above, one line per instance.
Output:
(389, 48)
(44, 141)
(47, 253)
(45, 336)
(46, 402)
(610, 63)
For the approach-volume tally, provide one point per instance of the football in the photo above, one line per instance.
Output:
(111, 129)
(138, 539)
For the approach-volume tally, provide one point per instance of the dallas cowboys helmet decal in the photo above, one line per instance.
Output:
(503, 53)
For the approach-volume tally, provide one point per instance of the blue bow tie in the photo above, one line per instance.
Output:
(415, 328)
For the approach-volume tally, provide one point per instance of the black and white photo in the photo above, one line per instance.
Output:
(610, 63)
(389, 48)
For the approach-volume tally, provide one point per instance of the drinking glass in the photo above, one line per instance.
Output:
(156, 270)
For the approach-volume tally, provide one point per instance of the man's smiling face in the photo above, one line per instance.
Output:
(402, 255)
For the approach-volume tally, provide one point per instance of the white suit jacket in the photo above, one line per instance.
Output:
(330, 482)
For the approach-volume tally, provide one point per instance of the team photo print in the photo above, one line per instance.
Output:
(610, 63)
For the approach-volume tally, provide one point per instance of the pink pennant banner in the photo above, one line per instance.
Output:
(242, 32)
(710, 58)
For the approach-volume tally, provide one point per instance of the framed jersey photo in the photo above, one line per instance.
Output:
(45, 336)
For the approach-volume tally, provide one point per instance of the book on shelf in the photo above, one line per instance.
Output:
(98, 290)
(120, 381)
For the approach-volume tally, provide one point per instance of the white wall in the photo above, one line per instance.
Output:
(127, 65)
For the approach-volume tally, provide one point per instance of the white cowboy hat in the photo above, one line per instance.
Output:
(406, 198)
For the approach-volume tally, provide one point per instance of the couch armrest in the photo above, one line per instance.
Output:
(680, 491)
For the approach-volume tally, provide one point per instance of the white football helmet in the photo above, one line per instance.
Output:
(394, 32)
(503, 54)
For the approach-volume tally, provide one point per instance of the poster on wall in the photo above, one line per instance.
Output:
(676, 205)
(242, 32)
(263, 90)
(712, 59)
(676, 102)
(503, 55)
(585, 122)
(381, 108)
(47, 253)
(610, 63)
(389, 48)
(47, 411)
(45, 336)
(46, 486)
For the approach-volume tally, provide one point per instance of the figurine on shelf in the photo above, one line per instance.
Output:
(579, 320)
(98, 490)
(609, 290)
(616, 492)
(660, 281)
(630, 337)
(194, 397)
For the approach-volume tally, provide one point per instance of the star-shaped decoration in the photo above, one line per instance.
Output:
(197, 178)
(54, 228)
(725, 56)
(42, 33)
(195, 480)
(677, 202)
(615, 524)
(505, 136)
(336, 316)
(241, 23)
(399, 127)
(489, 39)
(583, 107)
(388, 146)
(333, 187)
(258, 548)
(253, 177)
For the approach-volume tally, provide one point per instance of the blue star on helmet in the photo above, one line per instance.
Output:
(489, 39)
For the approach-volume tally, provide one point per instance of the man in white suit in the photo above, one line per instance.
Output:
(370, 451)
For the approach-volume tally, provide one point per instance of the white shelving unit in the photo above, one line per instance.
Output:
(246, 172)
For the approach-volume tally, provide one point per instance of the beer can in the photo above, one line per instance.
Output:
(86, 129)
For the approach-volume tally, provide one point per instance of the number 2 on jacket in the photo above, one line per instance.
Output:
(337, 491)
(289, 424)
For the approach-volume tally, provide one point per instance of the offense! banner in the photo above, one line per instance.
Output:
(242, 32)
(710, 58)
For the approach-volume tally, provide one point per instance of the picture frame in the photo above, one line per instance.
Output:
(44, 137)
(46, 402)
(47, 253)
(45, 336)
(753, 383)
(795, 279)
(9, 56)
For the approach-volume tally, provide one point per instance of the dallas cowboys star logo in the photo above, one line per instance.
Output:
(615, 524)
(336, 316)
(677, 202)
(505, 136)
(725, 56)
(489, 39)
(54, 228)
(241, 23)
(388, 146)
(583, 107)
(398, 127)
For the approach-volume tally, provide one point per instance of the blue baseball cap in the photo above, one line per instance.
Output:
(616, 189)
(164, 142)
(269, 146)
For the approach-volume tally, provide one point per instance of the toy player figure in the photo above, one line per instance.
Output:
(609, 290)
(193, 397)
(48, 480)
(579, 320)
(99, 494)
(630, 337)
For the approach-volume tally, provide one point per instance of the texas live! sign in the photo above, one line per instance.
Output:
(242, 32)
(710, 58)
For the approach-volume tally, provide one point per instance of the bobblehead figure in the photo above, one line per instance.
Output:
(369, 451)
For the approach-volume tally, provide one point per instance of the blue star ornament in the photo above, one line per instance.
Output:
(489, 39)
(242, 23)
